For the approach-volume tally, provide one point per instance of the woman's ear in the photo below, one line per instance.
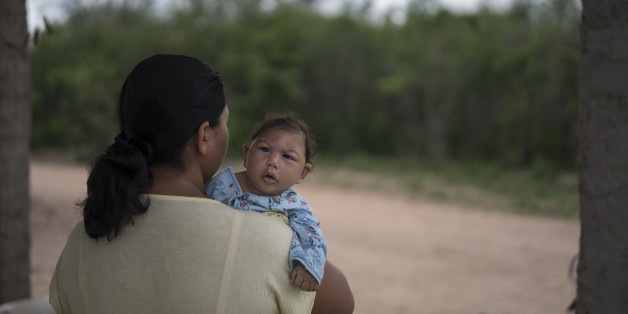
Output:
(306, 169)
(202, 139)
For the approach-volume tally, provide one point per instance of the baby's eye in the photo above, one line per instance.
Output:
(264, 149)
(287, 156)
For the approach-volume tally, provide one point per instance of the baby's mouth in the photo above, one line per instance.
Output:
(269, 178)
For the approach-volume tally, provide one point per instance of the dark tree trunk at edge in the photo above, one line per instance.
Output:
(603, 260)
(14, 152)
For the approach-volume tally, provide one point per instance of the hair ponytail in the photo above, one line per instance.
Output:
(117, 178)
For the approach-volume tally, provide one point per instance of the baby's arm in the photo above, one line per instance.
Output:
(308, 250)
(300, 277)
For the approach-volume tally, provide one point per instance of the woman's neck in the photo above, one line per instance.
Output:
(168, 181)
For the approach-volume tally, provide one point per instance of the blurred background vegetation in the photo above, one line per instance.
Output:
(483, 99)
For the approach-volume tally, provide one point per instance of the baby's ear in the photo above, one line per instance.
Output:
(306, 169)
(245, 151)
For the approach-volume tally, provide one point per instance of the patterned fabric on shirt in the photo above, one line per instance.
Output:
(308, 246)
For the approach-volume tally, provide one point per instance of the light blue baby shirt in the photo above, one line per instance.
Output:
(308, 246)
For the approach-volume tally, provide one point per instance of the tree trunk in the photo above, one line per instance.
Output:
(14, 152)
(603, 260)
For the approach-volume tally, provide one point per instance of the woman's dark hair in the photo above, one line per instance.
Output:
(288, 121)
(162, 103)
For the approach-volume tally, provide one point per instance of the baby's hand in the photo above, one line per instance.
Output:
(301, 278)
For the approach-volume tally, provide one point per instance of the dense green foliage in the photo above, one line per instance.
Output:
(489, 86)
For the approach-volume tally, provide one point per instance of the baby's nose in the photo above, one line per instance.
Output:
(273, 160)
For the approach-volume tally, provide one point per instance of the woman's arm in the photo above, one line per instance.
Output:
(334, 294)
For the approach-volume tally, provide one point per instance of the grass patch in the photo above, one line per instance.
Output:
(538, 190)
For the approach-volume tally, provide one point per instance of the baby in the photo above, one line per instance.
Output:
(278, 157)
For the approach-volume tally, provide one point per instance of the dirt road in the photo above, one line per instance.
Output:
(400, 255)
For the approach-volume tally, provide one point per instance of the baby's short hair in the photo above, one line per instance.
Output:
(288, 121)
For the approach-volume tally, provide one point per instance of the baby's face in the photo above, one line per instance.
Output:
(275, 161)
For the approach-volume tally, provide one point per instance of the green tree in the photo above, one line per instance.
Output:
(433, 87)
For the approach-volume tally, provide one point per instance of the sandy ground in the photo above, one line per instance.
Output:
(400, 254)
